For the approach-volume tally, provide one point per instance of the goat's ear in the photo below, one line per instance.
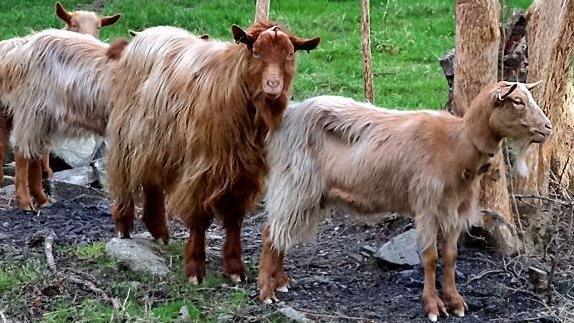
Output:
(241, 36)
(63, 14)
(110, 20)
(530, 86)
(305, 44)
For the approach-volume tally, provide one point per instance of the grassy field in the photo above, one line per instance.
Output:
(408, 37)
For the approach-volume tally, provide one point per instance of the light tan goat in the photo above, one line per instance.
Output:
(53, 84)
(83, 22)
(334, 151)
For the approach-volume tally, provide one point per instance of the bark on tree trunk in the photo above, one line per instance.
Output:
(550, 52)
(262, 10)
(475, 66)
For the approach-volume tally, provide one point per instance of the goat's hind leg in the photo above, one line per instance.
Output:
(271, 276)
(21, 180)
(123, 213)
(35, 182)
(154, 216)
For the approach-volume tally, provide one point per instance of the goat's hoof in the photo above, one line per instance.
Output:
(193, 280)
(282, 289)
(268, 301)
(124, 235)
(459, 313)
(235, 278)
(433, 317)
(161, 242)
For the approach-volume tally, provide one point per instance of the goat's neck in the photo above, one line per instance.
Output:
(477, 127)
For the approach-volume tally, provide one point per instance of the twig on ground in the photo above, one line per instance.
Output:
(549, 287)
(544, 198)
(49, 238)
(336, 317)
(482, 274)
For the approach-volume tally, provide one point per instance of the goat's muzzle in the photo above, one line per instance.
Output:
(540, 134)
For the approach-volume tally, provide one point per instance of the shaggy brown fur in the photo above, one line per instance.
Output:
(333, 152)
(190, 122)
(79, 21)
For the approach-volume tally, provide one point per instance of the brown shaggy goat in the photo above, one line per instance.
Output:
(83, 22)
(190, 125)
(336, 152)
(53, 84)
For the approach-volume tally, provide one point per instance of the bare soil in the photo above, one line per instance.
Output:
(334, 279)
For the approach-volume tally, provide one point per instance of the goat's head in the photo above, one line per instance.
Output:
(516, 115)
(84, 22)
(272, 61)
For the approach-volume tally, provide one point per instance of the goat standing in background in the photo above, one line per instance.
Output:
(83, 22)
(334, 151)
(190, 124)
(53, 84)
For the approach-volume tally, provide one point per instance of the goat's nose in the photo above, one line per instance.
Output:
(273, 83)
(548, 126)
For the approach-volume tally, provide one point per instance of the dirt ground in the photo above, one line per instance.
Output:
(334, 279)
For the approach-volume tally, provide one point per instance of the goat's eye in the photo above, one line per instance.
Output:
(290, 56)
(99, 27)
(518, 102)
(256, 54)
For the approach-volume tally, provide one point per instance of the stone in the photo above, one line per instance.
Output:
(77, 152)
(99, 166)
(83, 176)
(294, 315)
(138, 254)
(400, 251)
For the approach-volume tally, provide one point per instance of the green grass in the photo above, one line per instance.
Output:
(408, 37)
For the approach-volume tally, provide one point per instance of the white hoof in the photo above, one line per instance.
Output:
(193, 280)
(433, 317)
(235, 278)
(459, 313)
(282, 289)
(268, 301)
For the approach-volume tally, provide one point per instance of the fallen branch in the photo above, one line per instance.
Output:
(336, 317)
(49, 236)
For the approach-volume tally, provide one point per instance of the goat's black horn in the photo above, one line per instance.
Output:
(512, 88)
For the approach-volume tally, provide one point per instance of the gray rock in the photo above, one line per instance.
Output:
(84, 176)
(400, 251)
(99, 166)
(77, 152)
(139, 254)
(294, 315)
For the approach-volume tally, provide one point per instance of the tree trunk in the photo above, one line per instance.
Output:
(367, 62)
(476, 66)
(550, 52)
(262, 10)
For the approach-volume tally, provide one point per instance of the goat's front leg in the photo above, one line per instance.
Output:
(154, 215)
(454, 301)
(35, 182)
(123, 213)
(233, 264)
(195, 249)
(21, 180)
(432, 303)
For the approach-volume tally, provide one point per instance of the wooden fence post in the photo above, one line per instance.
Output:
(262, 10)
(367, 62)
